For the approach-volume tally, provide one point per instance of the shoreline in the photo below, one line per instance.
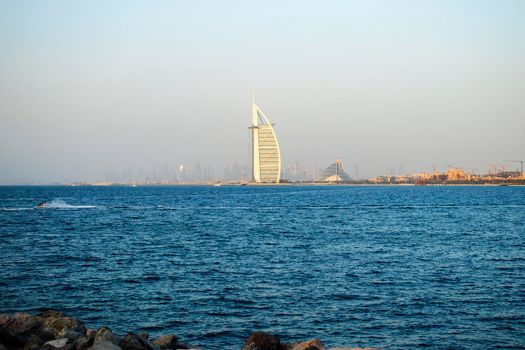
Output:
(53, 330)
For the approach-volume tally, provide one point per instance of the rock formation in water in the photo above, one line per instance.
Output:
(52, 330)
(266, 341)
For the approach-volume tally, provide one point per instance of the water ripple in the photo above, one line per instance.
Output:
(389, 267)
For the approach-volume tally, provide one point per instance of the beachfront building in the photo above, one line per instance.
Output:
(266, 156)
(335, 173)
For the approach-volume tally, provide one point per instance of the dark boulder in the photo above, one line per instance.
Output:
(353, 349)
(312, 344)
(182, 346)
(83, 343)
(262, 341)
(23, 331)
(57, 322)
(91, 333)
(70, 334)
(105, 334)
(104, 345)
(167, 342)
(134, 341)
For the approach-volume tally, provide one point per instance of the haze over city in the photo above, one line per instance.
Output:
(94, 88)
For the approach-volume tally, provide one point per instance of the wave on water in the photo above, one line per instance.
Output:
(60, 204)
(17, 209)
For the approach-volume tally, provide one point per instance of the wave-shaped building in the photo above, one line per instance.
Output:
(335, 173)
(266, 155)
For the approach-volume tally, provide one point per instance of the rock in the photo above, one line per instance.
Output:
(134, 341)
(182, 346)
(83, 343)
(167, 342)
(104, 345)
(262, 341)
(312, 344)
(353, 349)
(56, 321)
(104, 333)
(22, 331)
(70, 334)
(144, 335)
(14, 331)
(56, 344)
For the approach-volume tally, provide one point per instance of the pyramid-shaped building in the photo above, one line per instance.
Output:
(335, 173)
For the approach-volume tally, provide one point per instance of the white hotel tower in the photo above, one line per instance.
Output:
(266, 156)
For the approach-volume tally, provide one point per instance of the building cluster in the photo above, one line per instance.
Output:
(452, 175)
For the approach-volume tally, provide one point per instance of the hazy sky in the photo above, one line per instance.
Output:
(91, 87)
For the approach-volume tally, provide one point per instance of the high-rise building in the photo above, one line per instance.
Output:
(266, 156)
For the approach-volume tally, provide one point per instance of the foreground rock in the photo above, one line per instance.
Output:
(52, 330)
(266, 341)
(104, 345)
(58, 323)
(134, 341)
(262, 341)
(312, 344)
(22, 331)
(105, 334)
(170, 342)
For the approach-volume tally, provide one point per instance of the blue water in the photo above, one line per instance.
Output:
(388, 267)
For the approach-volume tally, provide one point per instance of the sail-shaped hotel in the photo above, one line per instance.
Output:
(266, 156)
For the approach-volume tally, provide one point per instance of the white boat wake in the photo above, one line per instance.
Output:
(60, 204)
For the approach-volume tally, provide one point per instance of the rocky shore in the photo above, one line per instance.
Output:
(52, 330)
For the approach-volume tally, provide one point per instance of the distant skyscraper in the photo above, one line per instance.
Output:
(266, 156)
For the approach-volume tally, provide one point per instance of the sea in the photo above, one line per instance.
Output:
(391, 267)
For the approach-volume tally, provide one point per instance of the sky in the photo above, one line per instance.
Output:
(89, 88)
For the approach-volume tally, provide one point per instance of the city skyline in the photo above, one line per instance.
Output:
(88, 89)
(200, 173)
